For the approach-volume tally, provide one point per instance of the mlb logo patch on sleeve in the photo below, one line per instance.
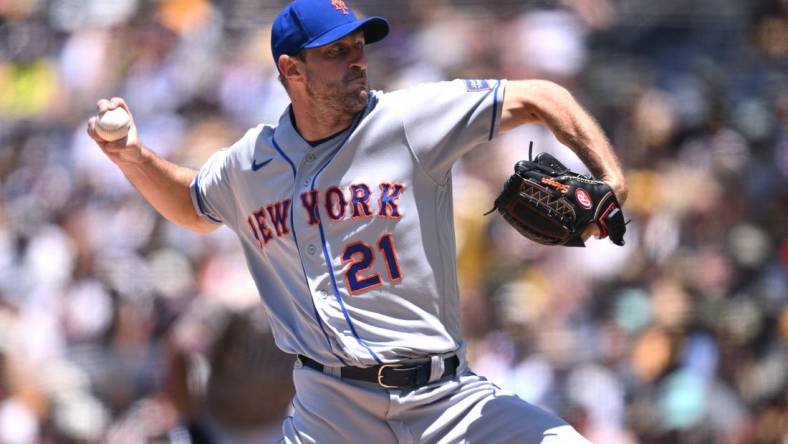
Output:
(477, 85)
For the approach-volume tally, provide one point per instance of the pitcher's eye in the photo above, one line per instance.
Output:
(335, 51)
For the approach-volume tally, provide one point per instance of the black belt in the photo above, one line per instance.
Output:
(411, 374)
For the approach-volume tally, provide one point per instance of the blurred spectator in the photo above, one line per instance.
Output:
(229, 381)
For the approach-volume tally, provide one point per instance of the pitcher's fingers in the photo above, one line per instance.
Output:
(116, 102)
(91, 128)
(102, 105)
(591, 230)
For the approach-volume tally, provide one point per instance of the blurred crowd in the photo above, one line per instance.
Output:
(117, 326)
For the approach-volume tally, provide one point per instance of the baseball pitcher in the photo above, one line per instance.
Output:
(344, 211)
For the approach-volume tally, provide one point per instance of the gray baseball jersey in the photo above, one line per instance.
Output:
(351, 242)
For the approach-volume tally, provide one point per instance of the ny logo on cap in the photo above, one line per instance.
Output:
(340, 6)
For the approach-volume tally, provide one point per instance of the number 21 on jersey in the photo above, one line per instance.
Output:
(359, 258)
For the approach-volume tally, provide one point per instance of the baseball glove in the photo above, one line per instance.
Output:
(552, 205)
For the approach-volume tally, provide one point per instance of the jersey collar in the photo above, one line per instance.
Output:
(288, 136)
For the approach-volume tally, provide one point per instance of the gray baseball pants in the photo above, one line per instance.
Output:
(467, 409)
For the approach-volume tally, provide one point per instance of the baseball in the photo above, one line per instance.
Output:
(113, 124)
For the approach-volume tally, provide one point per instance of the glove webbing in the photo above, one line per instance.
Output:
(538, 196)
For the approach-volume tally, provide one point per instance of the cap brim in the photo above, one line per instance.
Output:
(375, 29)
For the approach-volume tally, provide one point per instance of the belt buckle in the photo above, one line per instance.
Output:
(380, 375)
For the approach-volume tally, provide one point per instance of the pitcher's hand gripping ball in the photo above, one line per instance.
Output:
(552, 205)
(113, 124)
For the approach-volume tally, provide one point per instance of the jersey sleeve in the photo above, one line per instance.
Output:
(211, 190)
(445, 120)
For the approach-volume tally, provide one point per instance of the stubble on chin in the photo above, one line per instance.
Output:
(339, 99)
(357, 100)
(350, 100)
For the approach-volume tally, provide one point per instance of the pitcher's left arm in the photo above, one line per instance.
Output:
(544, 102)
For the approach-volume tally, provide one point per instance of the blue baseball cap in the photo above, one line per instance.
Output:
(312, 23)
